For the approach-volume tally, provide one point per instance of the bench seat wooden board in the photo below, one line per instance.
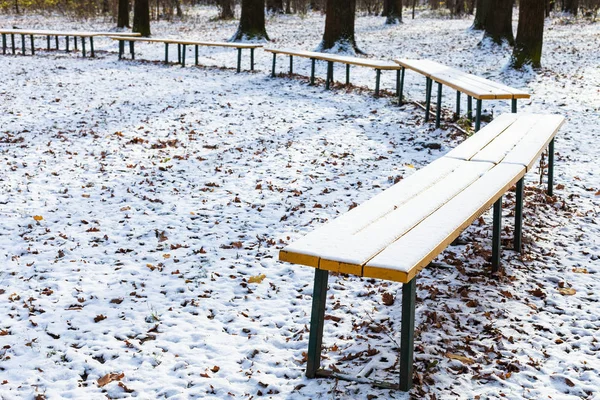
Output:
(65, 33)
(190, 42)
(362, 62)
(405, 257)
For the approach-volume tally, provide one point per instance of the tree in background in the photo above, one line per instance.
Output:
(225, 9)
(252, 22)
(530, 34)
(141, 17)
(339, 27)
(123, 14)
(392, 11)
(498, 21)
(570, 6)
(275, 6)
(481, 13)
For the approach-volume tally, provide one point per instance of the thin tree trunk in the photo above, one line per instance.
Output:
(141, 17)
(275, 6)
(530, 34)
(459, 7)
(393, 11)
(123, 14)
(339, 27)
(252, 22)
(498, 24)
(571, 6)
(16, 6)
(482, 11)
(226, 9)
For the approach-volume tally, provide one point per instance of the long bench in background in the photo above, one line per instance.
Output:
(182, 48)
(377, 65)
(473, 86)
(56, 34)
(401, 230)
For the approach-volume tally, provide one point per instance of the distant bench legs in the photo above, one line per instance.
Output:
(4, 43)
(329, 75)
(67, 44)
(312, 71)
(23, 44)
(291, 64)
(83, 53)
(196, 54)
(457, 104)
(91, 46)
(400, 84)
(166, 53)
(32, 44)
(347, 74)
(274, 63)
(252, 59)
(496, 235)
(377, 81)
(438, 109)
(317, 321)
(183, 54)
(428, 84)
(48, 42)
(12, 42)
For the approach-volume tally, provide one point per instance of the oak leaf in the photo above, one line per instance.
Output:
(108, 378)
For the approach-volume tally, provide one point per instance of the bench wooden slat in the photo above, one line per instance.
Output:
(402, 260)
(36, 32)
(467, 149)
(362, 62)
(190, 42)
(533, 144)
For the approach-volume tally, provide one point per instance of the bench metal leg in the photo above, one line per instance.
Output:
(312, 71)
(92, 54)
(428, 84)
(196, 53)
(317, 319)
(438, 110)
(291, 64)
(513, 107)
(121, 47)
(457, 104)
(83, 47)
(67, 44)
(32, 44)
(274, 63)
(551, 168)
(408, 334)
(347, 74)
(23, 44)
(12, 42)
(401, 86)
(132, 49)
(4, 43)
(478, 116)
(517, 241)
(329, 75)
(496, 231)
(166, 53)
(239, 60)
(377, 80)
(48, 42)
(178, 53)
(183, 54)
(470, 108)
(75, 42)
(56, 42)
(252, 59)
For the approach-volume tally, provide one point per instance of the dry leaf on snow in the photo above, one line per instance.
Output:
(257, 278)
(458, 357)
(567, 291)
(108, 378)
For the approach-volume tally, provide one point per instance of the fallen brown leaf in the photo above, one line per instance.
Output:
(108, 378)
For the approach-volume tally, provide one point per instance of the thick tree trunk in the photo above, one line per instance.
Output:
(530, 34)
(252, 22)
(498, 24)
(275, 6)
(225, 9)
(123, 14)
(482, 11)
(141, 17)
(459, 7)
(339, 27)
(571, 6)
(392, 11)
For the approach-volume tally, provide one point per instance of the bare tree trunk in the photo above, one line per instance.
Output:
(481, 13)
(226, 9)
(498, 24)
(530, 34)
(470, 7)
(392, 11)
(339, 27)
(571, 6)
(459, 7)
(275, 6)
(16, 6)
(252, 22)
(141, 17)
(123, 14)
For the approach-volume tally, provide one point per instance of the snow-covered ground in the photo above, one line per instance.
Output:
(142, 207)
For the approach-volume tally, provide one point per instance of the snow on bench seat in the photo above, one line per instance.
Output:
(405, 257)
(37, 32)
(381, 221)
(188, 42)
(362, 62)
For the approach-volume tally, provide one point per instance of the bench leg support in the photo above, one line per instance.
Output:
(239, 60)
(428, 84)
(438, 110)
(92, 54)
(4, 43)
(513, 106)
(457, 105)
(317, 319)
(48, 42)
(377, 81)
(12, 42)
(274, 63)
(67, 44)
(291, 64)
(312, 71)
(166, 53)
(178, 53)
(252, 59)
(56, 41)
(478, 116)
(470, 108)
(183, 54)
(496, 232)
(347, 74)
(407, 334)
(75, 42)
(23, 44)
(32, 45)
(121, 47)
(551, 168)
(518, 216)
(196, 54)
(329, 75)
(132, 49)
(83, 46)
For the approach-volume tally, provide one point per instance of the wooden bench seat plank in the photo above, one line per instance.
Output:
(474, 144)
(353, 252)
(304, 250)
(190, 42)
(529, 149)
(362, 62)
(402, 260)
(36, 32)
(498, 148)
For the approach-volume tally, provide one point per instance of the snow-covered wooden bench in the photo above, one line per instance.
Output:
(56, 34)
(182, 47)
(401, 230)
(377, 65)
(473, 86)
